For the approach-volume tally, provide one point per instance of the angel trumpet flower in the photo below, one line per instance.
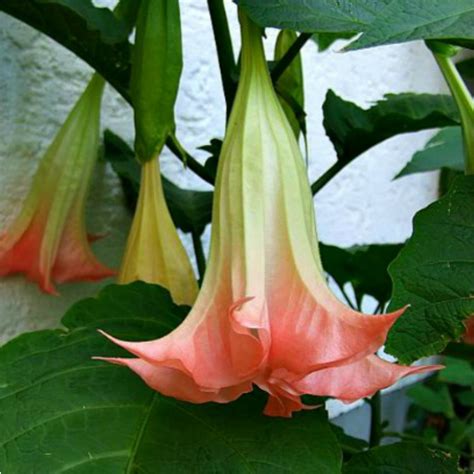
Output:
(154, 252)
(265, 315)
(48, 240)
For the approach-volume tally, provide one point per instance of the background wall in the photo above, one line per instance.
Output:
(40, 81)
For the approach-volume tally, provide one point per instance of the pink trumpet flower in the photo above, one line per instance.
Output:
(265, 315)
(48, 240)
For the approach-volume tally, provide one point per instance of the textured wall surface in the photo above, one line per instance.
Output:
(40, 81)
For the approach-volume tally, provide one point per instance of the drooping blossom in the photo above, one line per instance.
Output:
(48, 240)
(265, 315)
(154, 251)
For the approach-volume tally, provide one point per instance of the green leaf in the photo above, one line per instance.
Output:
(444, 150)
(214, 149)
(93, 33)
(354, 130)
(460, 351)
(190, 210)
(406, 20)
(466, 398)
(290, 86)
(61, 411)
(466, 68)
(432, 399)
(460, 433)
(127, 10)
(313, 16)
(365, 267)
(457, 371)
(434, 273)
(157, 65)
(406, 458)
(325, 40)
(348, 443)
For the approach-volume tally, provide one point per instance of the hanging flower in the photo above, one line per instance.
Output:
(265, 315)
(154, 251)
(48, 240)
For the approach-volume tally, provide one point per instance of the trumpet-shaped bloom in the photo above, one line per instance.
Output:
(265, 315)
(48, 240)
(154, 251)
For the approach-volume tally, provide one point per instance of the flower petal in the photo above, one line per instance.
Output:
(20, 253)
(313, 330)
(175, 383)
(216, 352)
(357, 380)
(74, 259)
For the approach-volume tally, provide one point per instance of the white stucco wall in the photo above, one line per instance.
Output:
(40, 81)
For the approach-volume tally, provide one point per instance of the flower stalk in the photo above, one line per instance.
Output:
(443, 54)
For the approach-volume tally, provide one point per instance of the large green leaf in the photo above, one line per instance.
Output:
(60, 411)
(444, 150)
(313, 15)
(408, 20)
(433, 399)
(381, 21)
(364, 267)
(354, 130)
(93, 33)
(457, 371)
(191, 210)
(406, 458)
(434, 273)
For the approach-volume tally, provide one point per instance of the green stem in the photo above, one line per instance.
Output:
(375, 419)
(199, 252)
(327, 176)
(176, 148)
(288, 57)
(465, 103)
(225, 51)
(432, 444)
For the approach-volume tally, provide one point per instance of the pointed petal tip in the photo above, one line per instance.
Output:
(108, 336)
(134, 348)
(111, 338)
(111, 360)
(396, 314)
(45, 285)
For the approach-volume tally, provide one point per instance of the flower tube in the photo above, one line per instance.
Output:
(154, 251)
(265, 315)
(48, 240)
